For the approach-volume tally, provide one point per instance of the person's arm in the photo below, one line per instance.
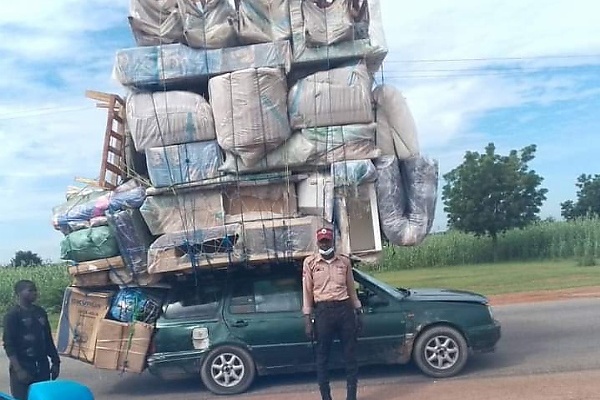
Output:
(10, 338)
(307, 288)
(51, 347)
(350, 285)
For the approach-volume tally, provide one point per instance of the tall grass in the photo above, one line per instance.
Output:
(542, 241)
(51, 281)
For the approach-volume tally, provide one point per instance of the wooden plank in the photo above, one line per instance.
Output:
(98, 96)
(113, 168)
(115, 151)
(116, 135)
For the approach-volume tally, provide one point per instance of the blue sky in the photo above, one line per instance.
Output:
(511, 72)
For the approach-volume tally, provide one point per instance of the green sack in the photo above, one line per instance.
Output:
(89, 244)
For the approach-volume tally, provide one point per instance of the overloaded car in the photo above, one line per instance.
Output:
(229, 330)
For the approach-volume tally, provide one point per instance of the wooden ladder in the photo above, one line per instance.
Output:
(113, 169)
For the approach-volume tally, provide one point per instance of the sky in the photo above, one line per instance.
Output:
(510, 72)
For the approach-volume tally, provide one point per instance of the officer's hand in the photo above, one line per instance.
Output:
(54, 371)
(308, 328)
(23, 376)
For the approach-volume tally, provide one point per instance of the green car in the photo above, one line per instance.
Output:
(228, 331)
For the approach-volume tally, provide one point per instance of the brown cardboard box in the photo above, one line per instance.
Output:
(121, 346)
(260, 202)
(92, 279)
(80, 317)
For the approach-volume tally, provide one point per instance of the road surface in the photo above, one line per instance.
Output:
(549, 350)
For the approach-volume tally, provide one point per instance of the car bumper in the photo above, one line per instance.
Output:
(484, 339)
(175, 365)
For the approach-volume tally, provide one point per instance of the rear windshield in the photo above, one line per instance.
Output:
(194, 302)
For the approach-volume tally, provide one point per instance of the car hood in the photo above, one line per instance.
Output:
(426, 294)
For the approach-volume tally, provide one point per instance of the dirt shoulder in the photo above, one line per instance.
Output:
(545, 295)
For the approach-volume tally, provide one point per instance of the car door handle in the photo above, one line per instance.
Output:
(240, 324)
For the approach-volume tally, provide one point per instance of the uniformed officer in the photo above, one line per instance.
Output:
(329, 294)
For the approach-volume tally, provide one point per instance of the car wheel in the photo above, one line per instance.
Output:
(440, 352)
(228, 370)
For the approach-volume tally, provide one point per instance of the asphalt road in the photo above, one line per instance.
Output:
(540, 341)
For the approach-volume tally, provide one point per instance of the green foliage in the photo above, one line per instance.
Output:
(540, 241)
(489, 194)
(588, 199)
(25, 259)
(51, 281)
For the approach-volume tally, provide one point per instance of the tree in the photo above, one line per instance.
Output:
(489, 194)
(588, 199)
(25, 259)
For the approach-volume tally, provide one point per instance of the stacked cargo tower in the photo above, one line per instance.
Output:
(246, 127)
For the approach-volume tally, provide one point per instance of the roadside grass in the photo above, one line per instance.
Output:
(499, 278)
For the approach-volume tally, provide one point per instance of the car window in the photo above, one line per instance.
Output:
(269, 295)
(196, 302)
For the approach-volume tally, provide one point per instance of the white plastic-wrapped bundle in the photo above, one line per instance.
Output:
(406, 196)
(311, 147)
(208, 24)
(353, 173)
(262, 21)
(339, 96)
(167, 118)
(396, 129)
(365, 40)
(155, 22)
(250, 111)
(328, 25)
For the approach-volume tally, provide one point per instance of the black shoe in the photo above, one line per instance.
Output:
(325, 392)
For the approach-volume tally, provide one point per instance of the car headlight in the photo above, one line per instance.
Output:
(491, 311)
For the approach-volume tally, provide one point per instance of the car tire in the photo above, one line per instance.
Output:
(228, 370)
(441, 352)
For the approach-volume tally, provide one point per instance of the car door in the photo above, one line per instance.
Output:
(266, 314)
(384, 326)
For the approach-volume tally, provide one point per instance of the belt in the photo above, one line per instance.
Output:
(333, 303)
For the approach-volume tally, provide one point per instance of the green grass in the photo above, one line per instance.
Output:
(578, 240)
(499, 278)
(51, 281)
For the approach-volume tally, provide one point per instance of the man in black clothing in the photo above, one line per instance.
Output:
(28, 342)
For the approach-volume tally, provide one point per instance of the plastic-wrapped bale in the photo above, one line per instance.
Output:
(280, 239)
(209, 24)
(313, 146)
(329, 25)
(340, 96)
(262, 21)
(133, 238)
(155, 22)
(158, 67)
(183, 163)
(83, 209)
(260, 202)
(250, 111)
(353, 173)
(134, 304)
(396, 129)
(183, 211)
(358, 36)
(203, 247)
(407, 196)
(89, 244)
(168, 118)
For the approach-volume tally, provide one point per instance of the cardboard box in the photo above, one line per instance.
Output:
(92, 279)
(80, 317)
(121, 346)
(264, 202)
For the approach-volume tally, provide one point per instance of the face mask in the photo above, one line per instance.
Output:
(327, 252)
